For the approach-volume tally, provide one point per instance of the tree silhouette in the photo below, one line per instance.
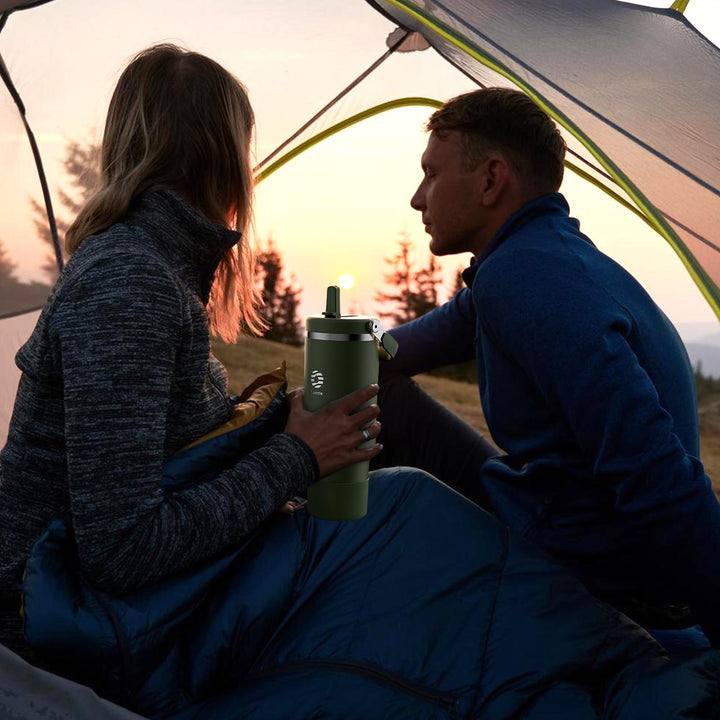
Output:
(17, 296)
(413, 293)
(400, 280)
(427, 280)
(7, 268)
(705, 385)
(281, 298)
(82, 165)
(459, 282)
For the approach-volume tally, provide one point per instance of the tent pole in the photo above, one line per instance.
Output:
(680, 5)
(337, 98)
(38, 160)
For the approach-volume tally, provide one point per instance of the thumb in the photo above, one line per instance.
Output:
(296, 398)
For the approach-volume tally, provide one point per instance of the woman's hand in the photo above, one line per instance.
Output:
(332, 433)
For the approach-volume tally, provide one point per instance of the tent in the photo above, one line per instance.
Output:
(648, 138)
(633, 88)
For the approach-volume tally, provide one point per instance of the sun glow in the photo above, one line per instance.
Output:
(346, 281)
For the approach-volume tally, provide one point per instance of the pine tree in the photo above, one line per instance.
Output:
(459, 283)
(281, 298)
(427, 280)
(82, 165)
(400, 279)
(268, 267)
(288, 321)
(414, 292)
(7, 268)
(705, 385)
(15, 295)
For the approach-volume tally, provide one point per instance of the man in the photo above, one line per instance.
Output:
(584, 382)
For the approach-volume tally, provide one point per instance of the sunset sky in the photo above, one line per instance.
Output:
(337, 209)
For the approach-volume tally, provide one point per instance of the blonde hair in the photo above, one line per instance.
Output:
(179, 121)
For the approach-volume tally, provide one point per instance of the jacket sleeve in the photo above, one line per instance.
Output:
(118, 331)
(444, 336)
(571, 339)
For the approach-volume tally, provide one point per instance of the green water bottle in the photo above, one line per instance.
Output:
(342, 355)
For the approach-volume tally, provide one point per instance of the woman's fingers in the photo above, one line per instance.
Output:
(348, 403)
(370, 432)
(365, 415)
(334, 432)
(368, 453)
(296, 397)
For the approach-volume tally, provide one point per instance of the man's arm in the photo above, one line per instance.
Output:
(442, 337)
(571, 339)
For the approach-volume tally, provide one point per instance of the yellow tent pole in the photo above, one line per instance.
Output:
(702, 280)
(680, 5)
(364, 115)
(649, 218)
(419, 102)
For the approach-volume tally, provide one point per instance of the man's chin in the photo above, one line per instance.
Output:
(437, 249)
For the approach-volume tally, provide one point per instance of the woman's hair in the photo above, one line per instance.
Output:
(179, 121)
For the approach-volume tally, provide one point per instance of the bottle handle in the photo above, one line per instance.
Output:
(387, 345)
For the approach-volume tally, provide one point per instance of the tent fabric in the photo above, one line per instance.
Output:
(11, 5)
(606, 68)
(28, 693)
(15, 331)
(607, 71)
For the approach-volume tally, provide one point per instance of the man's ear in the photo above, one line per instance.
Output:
(495, 178)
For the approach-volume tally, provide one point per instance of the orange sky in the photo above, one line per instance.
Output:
(339, 208)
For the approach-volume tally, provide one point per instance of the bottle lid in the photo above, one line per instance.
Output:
(353, 324)
(333, 321)
(352, 327)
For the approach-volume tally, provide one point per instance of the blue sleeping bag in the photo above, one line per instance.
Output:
(426, 608)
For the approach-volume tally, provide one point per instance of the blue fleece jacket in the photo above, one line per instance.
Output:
(587, 387)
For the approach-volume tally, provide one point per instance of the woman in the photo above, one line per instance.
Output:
(118, 373)
(426, 608)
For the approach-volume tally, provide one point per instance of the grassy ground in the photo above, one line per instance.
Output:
(253, 356)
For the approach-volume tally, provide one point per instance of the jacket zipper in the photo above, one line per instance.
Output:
(440, 699)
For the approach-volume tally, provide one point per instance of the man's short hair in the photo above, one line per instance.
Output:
(507, 121)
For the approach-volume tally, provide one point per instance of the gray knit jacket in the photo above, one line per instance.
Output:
(116, 376)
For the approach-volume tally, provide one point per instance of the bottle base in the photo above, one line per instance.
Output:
(329, 500)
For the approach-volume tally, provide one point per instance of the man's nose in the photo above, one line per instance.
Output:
(417, 201)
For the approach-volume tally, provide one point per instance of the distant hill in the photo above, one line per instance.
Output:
(708, 356)
(705, 333)
(711, 339)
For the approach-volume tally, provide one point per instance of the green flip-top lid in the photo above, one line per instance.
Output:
(332, 321)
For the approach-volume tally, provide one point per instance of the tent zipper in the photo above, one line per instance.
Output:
(446, 701)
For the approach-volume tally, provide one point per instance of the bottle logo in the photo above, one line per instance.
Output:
(317, 379)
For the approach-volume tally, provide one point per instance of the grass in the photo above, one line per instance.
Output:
(253, 356)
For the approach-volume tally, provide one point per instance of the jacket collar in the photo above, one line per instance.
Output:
(191, 242)
(550, 204)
